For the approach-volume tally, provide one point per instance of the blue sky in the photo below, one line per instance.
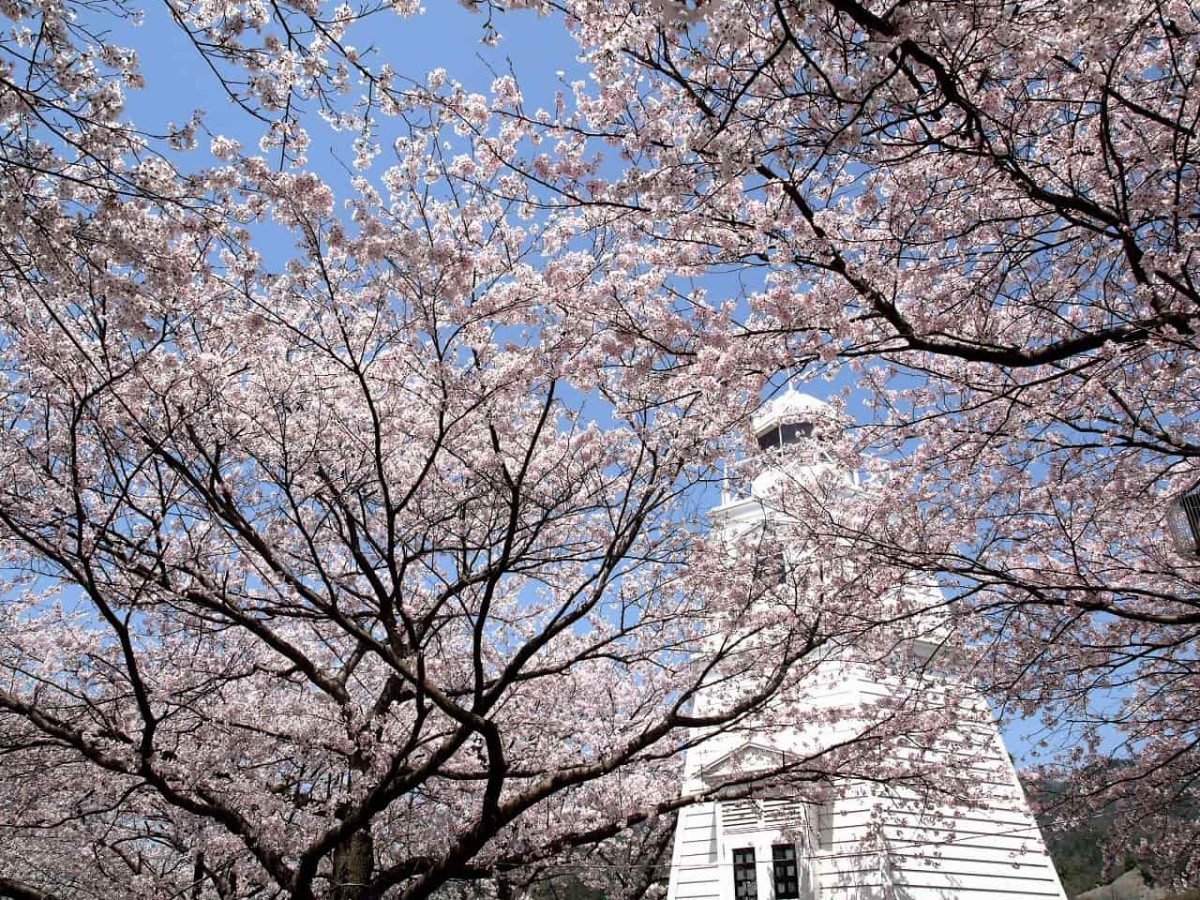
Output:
(445, 35)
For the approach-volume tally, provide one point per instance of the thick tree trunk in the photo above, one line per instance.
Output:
(353, 863)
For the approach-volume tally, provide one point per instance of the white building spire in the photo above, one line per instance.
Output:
(859, 840)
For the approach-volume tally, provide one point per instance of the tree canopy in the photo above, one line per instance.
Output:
(353, 523)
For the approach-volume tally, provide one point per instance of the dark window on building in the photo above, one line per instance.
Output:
(787, 877)
(745, 881)
(791, 432)
(770, 568)
(782, 435)
(768, 439)
(770, 562)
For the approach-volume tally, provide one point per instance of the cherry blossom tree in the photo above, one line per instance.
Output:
(353, 538)
(378, 563)
(986, 211)
(326, 581)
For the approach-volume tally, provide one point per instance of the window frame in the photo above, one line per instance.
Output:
(785, 434)
(741, 866)
(770, 559)
(785, 886)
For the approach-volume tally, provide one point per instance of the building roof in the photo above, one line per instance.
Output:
(790, 406)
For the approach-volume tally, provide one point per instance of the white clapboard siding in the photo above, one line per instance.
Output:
(695, 874)
(931, 850)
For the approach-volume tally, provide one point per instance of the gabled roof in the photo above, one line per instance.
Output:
(750, 756)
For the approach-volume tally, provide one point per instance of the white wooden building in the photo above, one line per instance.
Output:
(858, 842)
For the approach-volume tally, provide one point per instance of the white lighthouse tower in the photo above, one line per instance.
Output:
(858, 839)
